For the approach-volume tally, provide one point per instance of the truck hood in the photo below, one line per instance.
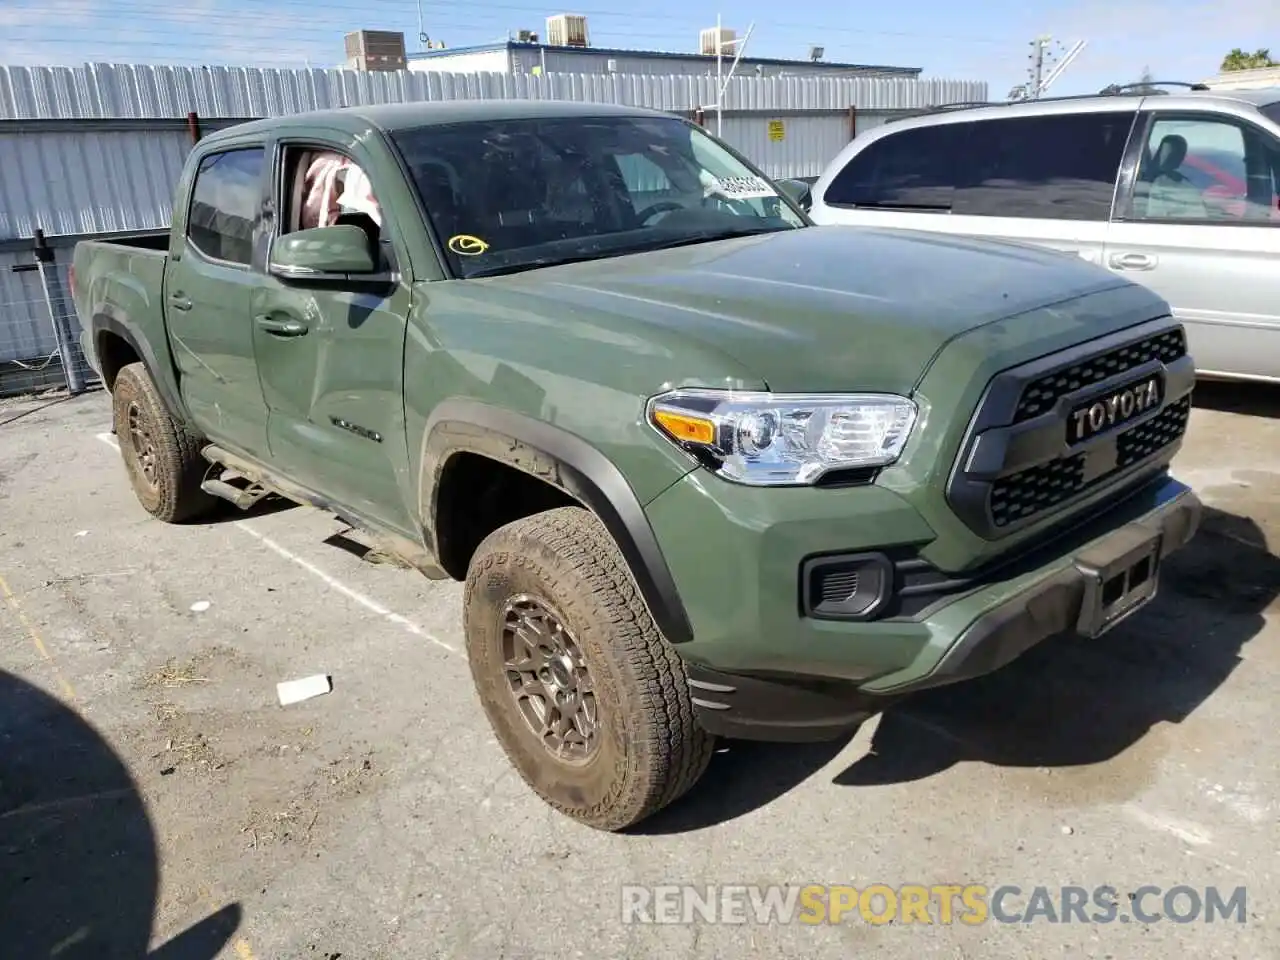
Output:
(821, 308)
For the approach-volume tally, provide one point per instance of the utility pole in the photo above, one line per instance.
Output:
(722, 81)
(1037, 65)
(1043, 71)
(719, 74)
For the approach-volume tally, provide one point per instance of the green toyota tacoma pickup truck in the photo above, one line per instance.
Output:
(705, 468)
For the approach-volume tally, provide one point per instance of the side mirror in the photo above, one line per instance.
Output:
(322, 252)
(798, 192)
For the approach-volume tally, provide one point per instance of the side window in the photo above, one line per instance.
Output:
(224, 204)
(1056, 167)
(321, 188)
(910, 170)
(1207, 169)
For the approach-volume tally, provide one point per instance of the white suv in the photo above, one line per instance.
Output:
(1179, 191)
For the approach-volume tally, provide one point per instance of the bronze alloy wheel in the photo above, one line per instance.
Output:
(143, 442)
(583, 694)
(549, 679)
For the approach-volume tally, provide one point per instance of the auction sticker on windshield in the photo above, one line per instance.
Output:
(743, 188)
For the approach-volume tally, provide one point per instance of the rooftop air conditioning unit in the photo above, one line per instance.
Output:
(376, 50)
(567, 30)
(707, 41)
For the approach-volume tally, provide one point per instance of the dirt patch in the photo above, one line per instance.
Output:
(204, 667)
(339, 781)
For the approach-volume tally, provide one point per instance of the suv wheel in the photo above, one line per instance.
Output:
(160, 455)
(587, 699)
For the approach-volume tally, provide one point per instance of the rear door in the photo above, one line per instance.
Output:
(1046, 179)
(209, 286)
(1198, 221)
(331, 354)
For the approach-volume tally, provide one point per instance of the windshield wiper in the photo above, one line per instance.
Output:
(536, 262)
(703, 236)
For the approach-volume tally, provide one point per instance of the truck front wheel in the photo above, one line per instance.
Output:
(586, 698)
(161, 456)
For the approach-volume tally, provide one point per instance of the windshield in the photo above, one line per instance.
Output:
(509, 195)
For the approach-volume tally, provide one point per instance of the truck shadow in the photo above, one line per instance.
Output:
(1072, 703)
(78, 859)
(1250, 399)
(1066, 704)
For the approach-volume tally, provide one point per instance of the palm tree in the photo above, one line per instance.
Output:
(1237, 59)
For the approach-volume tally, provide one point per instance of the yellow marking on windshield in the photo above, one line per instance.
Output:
(466, 245)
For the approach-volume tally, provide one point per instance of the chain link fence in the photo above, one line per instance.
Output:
(38, 324)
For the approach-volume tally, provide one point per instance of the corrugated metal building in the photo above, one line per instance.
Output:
(515, 57)
(92, 150)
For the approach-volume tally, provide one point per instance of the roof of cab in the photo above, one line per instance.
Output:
(404, 116)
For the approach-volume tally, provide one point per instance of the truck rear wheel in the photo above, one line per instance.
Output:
(587, 699)
(161, 456)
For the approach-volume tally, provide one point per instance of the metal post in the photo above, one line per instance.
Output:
(853, 121)
(53, 298)
(719, 71)
(193, 127)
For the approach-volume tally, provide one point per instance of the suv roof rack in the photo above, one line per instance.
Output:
(1113, 90)
(1117, 88)
(975, 104)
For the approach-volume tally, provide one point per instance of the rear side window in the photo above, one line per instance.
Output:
(1272, 112)
(224, 204)
(1059, 167)
(909, 170)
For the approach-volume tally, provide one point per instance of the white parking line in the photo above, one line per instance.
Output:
(1184, 830)
(332, 582)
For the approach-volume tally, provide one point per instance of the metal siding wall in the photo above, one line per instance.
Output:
(123, 90)
(487, 61)
(808, 144)
(88, 182)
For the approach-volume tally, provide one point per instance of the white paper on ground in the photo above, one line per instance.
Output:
(295, 691)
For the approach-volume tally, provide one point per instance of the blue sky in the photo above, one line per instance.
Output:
(985, 40)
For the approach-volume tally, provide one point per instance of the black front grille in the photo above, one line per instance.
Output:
(1032, 491)
(1041, 394)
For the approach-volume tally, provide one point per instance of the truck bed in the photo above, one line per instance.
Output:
(120, 280)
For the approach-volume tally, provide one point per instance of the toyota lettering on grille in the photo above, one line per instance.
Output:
(1112, 409)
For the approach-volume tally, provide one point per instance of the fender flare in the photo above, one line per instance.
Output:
(567, 462)
(109, 323)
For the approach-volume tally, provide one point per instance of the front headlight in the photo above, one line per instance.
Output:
(772, 439)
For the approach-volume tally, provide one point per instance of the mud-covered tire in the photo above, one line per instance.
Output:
(161, 456)
(650, 749)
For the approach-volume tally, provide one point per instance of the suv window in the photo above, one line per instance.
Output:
(1206, 169)
(1057, 167)
(910, 170)
(1272, 112)
(224, 204)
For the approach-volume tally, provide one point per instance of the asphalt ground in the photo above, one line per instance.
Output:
(154, 796)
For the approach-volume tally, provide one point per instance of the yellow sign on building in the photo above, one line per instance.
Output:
(776, 130)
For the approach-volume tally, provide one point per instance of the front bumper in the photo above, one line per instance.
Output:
(784, 676)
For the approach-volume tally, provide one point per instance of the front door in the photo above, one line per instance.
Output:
(331, 357)
(1200, 225)
(209, 287)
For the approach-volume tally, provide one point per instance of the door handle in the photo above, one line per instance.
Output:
(281, 327)
(180, 302)
(1132, 261)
